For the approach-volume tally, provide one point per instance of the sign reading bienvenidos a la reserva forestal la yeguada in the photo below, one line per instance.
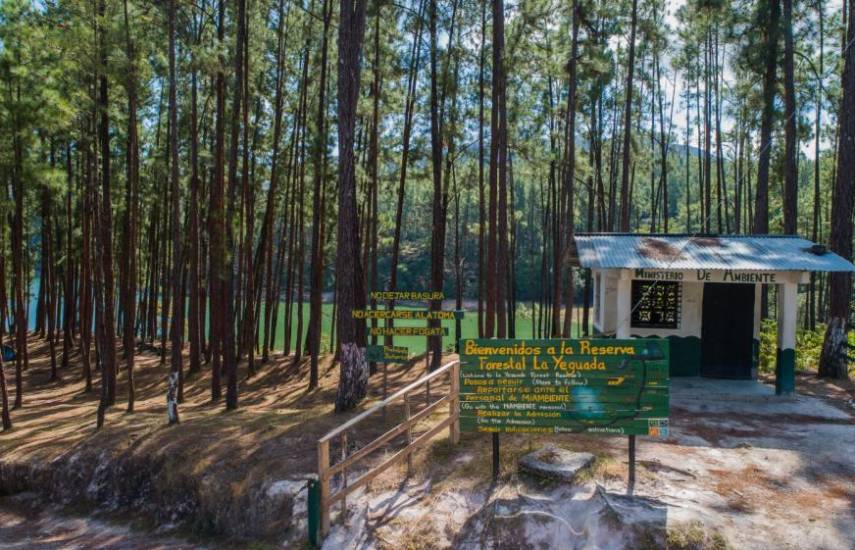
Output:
(604, 386)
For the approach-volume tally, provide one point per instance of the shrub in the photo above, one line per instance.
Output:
(808, 347)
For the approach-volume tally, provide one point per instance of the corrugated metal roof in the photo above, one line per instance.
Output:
(671, 251)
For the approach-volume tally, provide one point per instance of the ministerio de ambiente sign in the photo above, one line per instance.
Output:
(604, 386)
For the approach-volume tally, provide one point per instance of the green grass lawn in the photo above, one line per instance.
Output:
(416, 344)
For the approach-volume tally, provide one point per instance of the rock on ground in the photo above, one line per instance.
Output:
(555, 463)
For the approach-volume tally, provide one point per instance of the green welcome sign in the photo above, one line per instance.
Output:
(604, 386)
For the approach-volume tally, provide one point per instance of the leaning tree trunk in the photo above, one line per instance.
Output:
(353, 382)
(834, 361)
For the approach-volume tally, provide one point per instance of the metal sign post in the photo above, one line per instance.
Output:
(631, 484)
(314, 513)
(495, 457)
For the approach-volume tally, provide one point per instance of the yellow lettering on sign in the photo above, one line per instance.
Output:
(573, 366)
(485, 363)
(587, 349)
(521, 348)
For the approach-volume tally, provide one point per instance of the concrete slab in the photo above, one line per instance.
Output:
(709, 395)
(718, 389)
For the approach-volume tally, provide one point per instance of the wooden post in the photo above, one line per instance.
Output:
(321, 494)
(385, 387)
(386, 368)
(427, 371)
(409, 431)
(313, 506)
(453, 404)
(324, 480)
(344, 476)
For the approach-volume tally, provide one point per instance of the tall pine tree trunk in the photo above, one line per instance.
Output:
(437, 243)
(176, 328)
(229, 348)
(105, 222)
(482, 212)
(834, 360)
(812, 303)
(129, 236)
(266, 242)
(316, 271)
(49, 270)
(791, 174)
(627, 125)
(216, 223)
(69, 298)
(761, 201)
(568, 218)
(373, 169)
(353, 381)
(409, 111)
(21, 356)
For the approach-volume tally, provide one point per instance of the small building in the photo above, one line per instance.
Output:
(703, 293)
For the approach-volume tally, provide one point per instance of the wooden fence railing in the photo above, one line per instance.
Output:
(326, 471)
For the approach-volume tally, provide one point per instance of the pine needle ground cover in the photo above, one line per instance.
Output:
(205, 478)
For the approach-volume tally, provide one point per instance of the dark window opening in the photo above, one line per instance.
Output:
(656, 304)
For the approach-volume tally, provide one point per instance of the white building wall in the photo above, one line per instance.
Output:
(606, 288)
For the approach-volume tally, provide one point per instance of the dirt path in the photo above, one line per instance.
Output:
(23, 524)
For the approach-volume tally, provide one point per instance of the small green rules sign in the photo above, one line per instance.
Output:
(605, 386)
(386, 354)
